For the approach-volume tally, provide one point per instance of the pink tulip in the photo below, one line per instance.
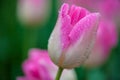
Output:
(73, 36)
(38, 66)
(106, 40)
(33, 12)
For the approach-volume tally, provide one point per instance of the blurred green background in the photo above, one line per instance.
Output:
(13, 42)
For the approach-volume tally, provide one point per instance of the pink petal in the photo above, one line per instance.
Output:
(22, 78)
(35, 54)
(65, 30)
(84, 24)
(64, 10)
(82, 47)
(69, 18)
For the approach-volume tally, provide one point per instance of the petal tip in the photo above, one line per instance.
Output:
(64, 9)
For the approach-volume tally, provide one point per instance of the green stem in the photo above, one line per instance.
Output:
(60, 70)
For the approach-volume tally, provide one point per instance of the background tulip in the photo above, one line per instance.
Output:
(33, 12)
(108, 8)
(106, 40)
(73, 36)
(38, 66)
(88, 4)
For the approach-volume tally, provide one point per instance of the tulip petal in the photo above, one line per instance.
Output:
(83, 35)
(84, 24)
(22, 78)
(69, 17)
(64, 10)
(65, 31)
(54, 43)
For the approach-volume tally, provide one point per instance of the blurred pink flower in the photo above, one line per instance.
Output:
(106, 40)
(73, 36)
(38, 66)
(33, 12)
(108, 8)
(88, 4)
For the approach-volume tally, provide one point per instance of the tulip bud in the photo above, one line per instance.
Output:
(73, 36)
(106, 40)
(33, 12)
(38, 66)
